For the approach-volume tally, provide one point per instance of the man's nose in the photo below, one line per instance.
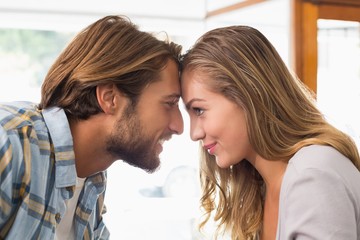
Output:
(177, 123)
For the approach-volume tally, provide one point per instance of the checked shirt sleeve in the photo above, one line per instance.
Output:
(12, 176)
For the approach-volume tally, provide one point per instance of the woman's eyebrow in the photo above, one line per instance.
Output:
(189, 103)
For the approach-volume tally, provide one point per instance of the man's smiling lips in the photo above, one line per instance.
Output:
(161, 142)
(210, 148)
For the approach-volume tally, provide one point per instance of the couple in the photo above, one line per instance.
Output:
(272, 167)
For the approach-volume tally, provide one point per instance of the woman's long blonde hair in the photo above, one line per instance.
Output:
(281, 118)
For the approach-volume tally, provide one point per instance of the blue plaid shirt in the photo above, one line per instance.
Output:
(37, 176)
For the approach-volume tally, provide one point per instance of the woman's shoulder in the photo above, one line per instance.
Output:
(321, 163)
(325, 158)
(320, 195)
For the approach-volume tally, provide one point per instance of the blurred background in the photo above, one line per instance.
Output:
(319, 40)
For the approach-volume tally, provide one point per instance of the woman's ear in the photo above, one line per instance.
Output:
(105, 94)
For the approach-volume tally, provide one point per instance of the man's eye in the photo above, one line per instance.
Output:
(172, 103)
(198, 111)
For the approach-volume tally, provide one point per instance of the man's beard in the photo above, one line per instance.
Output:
(129, 142)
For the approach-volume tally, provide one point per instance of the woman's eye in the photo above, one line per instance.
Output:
(198, 111)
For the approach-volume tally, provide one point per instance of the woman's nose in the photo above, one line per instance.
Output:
(196, 131)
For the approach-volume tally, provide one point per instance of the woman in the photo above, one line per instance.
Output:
(272, 167)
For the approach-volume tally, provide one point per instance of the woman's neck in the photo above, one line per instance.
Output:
(272, 172)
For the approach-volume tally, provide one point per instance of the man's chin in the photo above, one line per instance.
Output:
(148, 166)
(154, 167)
(151, 170)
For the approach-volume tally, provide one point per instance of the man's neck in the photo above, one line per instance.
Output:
(89, 146)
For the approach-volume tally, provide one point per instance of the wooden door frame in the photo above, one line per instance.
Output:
(304, 16)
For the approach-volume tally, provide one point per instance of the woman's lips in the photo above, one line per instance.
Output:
(210, 148)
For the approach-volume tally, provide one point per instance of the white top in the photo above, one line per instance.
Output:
(65, 230)
(319, 197)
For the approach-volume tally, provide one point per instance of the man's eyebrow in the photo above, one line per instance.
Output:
(188, 104)
(172, 96)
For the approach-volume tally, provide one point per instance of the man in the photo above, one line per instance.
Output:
(112, 94)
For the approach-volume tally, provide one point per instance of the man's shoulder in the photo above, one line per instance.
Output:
(17, 114)
(18, 109)
(18, 105)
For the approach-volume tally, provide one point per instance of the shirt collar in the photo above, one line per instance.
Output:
(61, 138)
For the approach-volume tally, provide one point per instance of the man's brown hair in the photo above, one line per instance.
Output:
(111, 50)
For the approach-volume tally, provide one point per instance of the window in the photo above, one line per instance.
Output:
(25, 57)
(339, 74)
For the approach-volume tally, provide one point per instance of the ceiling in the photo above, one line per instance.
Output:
(155, 15)
(183, 20)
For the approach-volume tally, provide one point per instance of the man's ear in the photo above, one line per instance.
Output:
(106, 94)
